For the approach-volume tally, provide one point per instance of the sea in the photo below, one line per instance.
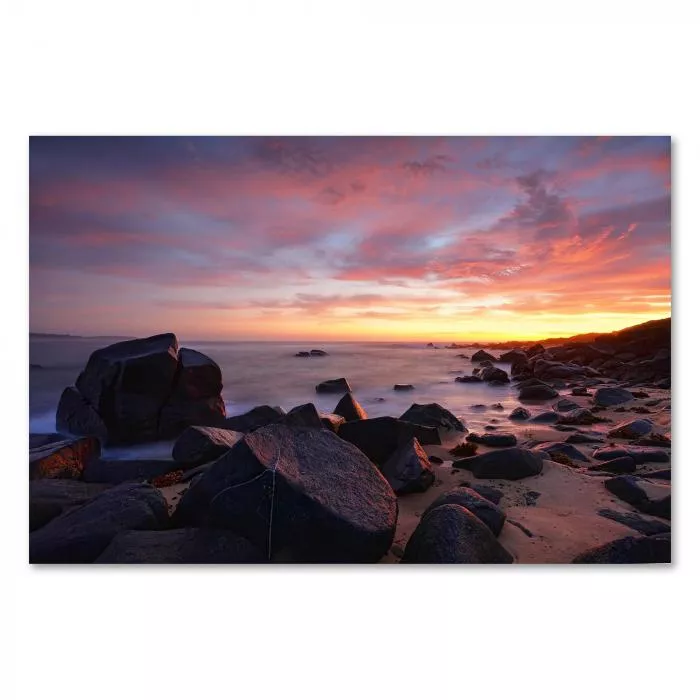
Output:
(256, 372)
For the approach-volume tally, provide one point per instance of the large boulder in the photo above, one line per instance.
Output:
(512, 356)
(432, 414)
(519, 413)
(303, 416)
(565, 405)
(482, 355)
(182, 546)
(255, 418)
(378, 438)
(536, 349)
(619, 465)
(632, 430)
(630, 550)
(510, 463)
(493, 439)
(140, 390)
(537, 392)
(638, 454)
(48, 498)
(451, 534)
(484, 509)
(494, 375)
(66, 459)
(646, 526)
(611, 396)
(579, 416)
(350, 409)
(332, 421)
(562, 448)
(333, 386)
(199, 444)
(298, 494)
(80, 535)
(409, 470)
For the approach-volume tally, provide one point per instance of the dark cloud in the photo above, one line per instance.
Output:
(429, 166)
(543, 208)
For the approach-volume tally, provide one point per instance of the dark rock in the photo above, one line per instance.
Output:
(182, 546)
(489, 514)
(297, 493)
(611, 396)
(564, 448)
(581, 416)
(619, 465)
(435, 460)
(303, 353)
(638, 454)
(451, 534)
(350, 409)
(332, 421)
(408, 470)
(481, 355)
(119, 471)
(564, 428)
(531, 497)
(636, 522)
(199, 444)
(537, 392)
(582, 437)
(664, 474)
(632, 429)
(519, 413)
(318, 353)
(488, 492)
(510, 463)
(469, 379)
(627, 489)
(255, 418)
(63, 460)
(629, 550)
(536, 349)
(48, 498)
(76, 416)
(565, 405)
(80, 535)
(545, 417)
(333, 386)
(513, 356)
(378, 438)
(403, 387)
(580, 391)
(432, 414)
(304, 416)
(494, 439)
(494, 375)
(664, 383)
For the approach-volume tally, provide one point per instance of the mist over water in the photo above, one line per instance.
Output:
(268, 373)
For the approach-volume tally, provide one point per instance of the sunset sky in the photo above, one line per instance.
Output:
(427, 239)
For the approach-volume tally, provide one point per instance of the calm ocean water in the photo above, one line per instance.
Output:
(268, 373)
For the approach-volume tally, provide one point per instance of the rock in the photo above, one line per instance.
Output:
(378, 438)
(513, 356)
(181, 546)
(537, 392)
(318, 353)
(469, 379)
(140, 390)
(510, 463)
(333, 386)
(632, 429)
(489, 513)
(582, 437)
(195, 398)
(434, 459)
(493, 375)
(629, 550)
(199, 444)
(403, 387)
(481, 356)
(565, 405)
(450, 534)
(619, 465)
(488, 492)
(630, 489)
(545, 417)
(408, 470)
(80, 535)
(432, 414)
(580, 416)
(350, 409)
(636, 522)
(564, 448)
(48, 498)
(638, 454)
(611, 396)
(43, 439)
(580, 391)
(63, 460)
(564, 428)
(664, 474)
(76, 416)
(255, 418)
(494, 439)
(304, 416)
(297, 493)
(519, 413)
(531, 497)
(536, 349)
(664, 383)
(119, 471)
(303, 353)
(653, 441)
(332, 421)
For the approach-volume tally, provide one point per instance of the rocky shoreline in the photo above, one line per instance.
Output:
(579, 472)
